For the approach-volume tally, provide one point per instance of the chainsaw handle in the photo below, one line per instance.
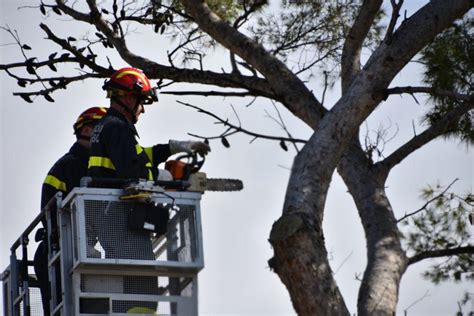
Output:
(195, 163)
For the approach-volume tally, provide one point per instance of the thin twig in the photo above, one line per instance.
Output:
(233, 129)
(405, 311)
(428, 202)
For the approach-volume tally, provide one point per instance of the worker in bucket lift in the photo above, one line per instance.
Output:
(115, 153)
(65, 174)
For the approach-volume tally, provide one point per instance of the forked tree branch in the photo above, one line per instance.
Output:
(233, 129)
(291, 90)
(437, 129)
(393, 20)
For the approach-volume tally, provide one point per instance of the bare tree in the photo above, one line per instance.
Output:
(326, 39)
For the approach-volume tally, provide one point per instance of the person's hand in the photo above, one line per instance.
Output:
(177, 146)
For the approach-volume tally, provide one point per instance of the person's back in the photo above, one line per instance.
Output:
(65, 174)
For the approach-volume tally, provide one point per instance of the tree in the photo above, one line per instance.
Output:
(331, 38)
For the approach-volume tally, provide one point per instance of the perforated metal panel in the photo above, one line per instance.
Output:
(118, 269)
(104, 224)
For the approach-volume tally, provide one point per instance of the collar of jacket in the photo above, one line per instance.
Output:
(80, 151)
(120, 116)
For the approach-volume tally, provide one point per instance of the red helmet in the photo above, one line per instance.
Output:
(91, 115)
(133, 81)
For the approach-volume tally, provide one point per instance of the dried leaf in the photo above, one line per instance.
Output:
(48, 98)
(22, 83)
(104, 11)
(99, 35)
(283, 145)
(122, 13)
(56, 10)
(30, 69)
(42, 9)
(53, 83)
(52, 56)
(65, 55)
(52, 67)
(225, 142)
(26, 98)
(26, 47)
(71, 39)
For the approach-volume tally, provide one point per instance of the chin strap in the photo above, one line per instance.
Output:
(88, 138)
(127, 109)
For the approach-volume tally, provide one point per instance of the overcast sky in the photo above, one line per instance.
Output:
(236, 279)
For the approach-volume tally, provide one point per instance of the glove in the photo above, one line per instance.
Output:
(177, 146)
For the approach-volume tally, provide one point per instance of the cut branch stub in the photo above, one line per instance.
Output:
(285, 227)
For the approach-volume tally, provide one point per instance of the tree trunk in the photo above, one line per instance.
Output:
(386, 260)
(300, 259)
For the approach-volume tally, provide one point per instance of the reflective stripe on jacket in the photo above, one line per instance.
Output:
(115, 152)
(66, 173)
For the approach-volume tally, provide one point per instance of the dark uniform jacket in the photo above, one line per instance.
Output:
(66, 173)
(115, 152)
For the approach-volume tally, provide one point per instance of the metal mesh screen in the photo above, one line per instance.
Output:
(36, 307)
(139, 307)
(136, 285)
(109, 235)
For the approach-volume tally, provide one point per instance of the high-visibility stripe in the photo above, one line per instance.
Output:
(55, 182)
(139, 149)
(104, 162)
(149, 153)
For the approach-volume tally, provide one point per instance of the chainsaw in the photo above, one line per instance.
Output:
(186, 168)
(180, 174)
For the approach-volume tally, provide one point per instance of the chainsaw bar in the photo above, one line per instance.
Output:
(213, 184)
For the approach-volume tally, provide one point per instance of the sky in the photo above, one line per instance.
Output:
(236, 279)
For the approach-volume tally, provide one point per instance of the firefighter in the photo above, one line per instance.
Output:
(65, 174)
(115, 153)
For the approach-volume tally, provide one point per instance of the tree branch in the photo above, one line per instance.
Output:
(233, 129)
(412, 35)
(428, 202)
(211, 93)
(393, 20)
(290, 89)
(435, 130)
(432, 91)
(350, 62)
(440, 253)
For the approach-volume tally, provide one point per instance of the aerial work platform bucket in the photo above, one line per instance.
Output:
(102, 262)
